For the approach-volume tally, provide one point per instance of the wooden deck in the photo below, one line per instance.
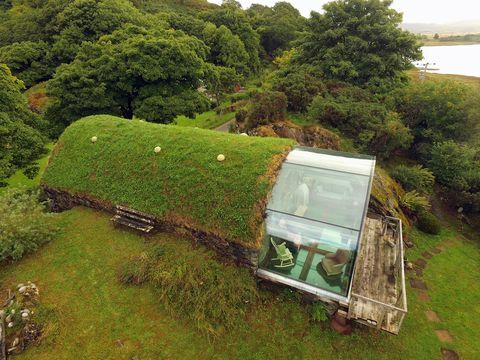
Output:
(378, 285)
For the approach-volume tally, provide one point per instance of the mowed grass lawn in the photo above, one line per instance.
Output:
(20, 180)
(98, 318)
(206, 120)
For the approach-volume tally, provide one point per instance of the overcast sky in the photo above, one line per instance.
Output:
(424, 11)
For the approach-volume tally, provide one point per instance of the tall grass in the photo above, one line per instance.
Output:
(214, 296)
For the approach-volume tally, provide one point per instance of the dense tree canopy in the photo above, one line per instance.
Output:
(28, 61)
(357, 114)
(438, 111)
(360, 42)
(20, 140)
(231, 16)
(152, 74)
(278, 26)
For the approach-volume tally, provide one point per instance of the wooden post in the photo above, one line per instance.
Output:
(3, 355)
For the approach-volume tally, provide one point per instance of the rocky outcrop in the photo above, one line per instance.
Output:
(313, 136)
(61, 200)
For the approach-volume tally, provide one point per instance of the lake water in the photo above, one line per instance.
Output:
(455, 59)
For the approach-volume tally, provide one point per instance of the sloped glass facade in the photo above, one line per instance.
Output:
(315, 217)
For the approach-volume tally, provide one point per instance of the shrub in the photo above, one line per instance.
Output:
(300, 84)
(357, 114)
(428, 223)
(25, 225)
(414, 178)
(318, 312)
(451, 163)
(414, 202)
(266, 108)
(191, 282)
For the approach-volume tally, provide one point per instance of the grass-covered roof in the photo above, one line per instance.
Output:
(184, 184)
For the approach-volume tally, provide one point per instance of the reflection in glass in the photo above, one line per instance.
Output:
(315, 216)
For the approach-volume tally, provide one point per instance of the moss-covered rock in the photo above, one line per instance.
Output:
(386, 196)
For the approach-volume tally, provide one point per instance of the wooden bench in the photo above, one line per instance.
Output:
(133, 219)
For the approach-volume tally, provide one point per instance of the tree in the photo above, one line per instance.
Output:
(357, 114)
(439, 111)
(436, 36)
(236, 20)
(300, 84)
(360, 42)
(278, 26)
(5, 4)
(151, 74)
(220, 80)
(451, 163)
(27, 60)
(20, 142)
(88, 20)
(226, 49)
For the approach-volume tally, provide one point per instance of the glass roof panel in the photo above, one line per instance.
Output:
(333, 197)
(337, 161)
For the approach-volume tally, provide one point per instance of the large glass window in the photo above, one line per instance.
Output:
(314, 218)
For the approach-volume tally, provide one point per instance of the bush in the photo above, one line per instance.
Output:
(414, 178)
(25, 225)
(357, 114)
(267, 107)
(451, 163)
(415, 203)
(318, 312)
(428, 223)
(191, 282)
(300, 84)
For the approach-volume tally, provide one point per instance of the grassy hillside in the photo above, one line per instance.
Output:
(88, 312)
(183, 184)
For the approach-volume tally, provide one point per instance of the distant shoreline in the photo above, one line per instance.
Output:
(448, 43)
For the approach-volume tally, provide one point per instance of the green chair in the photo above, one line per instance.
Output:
(283, 254)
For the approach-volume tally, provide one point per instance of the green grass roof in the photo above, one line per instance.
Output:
(184, 184)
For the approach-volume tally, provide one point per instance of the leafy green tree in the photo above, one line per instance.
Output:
(236, 20)
(357, 114)
(439, 111)
(300, 84)
(220, 80)
(27, 61)
(151, 74)
(20, 142)
(452, 163)
(278, 26)
(31, 20)
(5, 4)
(88, 20)
(360, 42)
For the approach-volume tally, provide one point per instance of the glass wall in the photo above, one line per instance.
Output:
(315, 216)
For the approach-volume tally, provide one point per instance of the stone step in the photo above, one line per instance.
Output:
(137, 225)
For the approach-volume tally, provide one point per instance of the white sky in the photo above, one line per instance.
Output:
(423, 11)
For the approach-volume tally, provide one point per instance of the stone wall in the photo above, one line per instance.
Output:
(229, 250)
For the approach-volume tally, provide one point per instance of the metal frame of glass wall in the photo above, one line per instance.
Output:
(315, 219)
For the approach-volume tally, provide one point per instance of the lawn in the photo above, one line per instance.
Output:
(206, 120)
(95, 317)
(469, 80)
(20, 180)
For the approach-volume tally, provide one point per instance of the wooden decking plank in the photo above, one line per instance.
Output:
(371, 280)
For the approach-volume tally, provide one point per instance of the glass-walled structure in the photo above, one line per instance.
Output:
(314, 220)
